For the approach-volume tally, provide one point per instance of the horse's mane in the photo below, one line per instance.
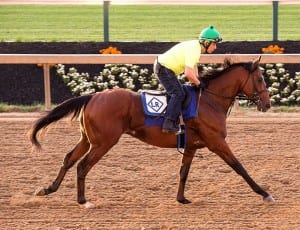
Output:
(225, 67)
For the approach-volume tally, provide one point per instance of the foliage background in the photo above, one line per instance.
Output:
(23, 84)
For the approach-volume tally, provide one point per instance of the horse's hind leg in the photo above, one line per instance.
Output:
(184, 171)
(70, 159)
(85, 165)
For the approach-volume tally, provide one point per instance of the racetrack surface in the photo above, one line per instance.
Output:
(135, 185)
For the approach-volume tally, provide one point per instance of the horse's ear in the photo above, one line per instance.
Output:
(259, 58)
(256, 64)
(257, 61)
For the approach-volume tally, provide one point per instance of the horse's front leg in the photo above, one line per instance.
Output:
(223, 150)
(184, 171)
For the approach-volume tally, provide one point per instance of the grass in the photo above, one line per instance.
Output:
(4, 108)
(27, 23)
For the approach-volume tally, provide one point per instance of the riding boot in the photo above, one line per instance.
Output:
(170, 126)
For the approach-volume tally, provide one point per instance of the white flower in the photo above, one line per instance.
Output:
(281, 70)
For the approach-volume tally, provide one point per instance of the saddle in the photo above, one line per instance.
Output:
(155, 102)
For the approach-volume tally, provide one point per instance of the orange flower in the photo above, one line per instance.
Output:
(110, 50)
(272, 49)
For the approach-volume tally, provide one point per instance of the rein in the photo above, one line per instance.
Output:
(254, 99)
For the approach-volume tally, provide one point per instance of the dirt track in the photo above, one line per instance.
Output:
(135, 185)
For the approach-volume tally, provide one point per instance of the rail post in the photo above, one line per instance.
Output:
(106, 20)
(47, 88)
(275, 20)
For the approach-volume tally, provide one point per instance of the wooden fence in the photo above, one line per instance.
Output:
(50, 59)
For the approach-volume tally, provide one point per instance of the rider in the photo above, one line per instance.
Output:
(182, 58)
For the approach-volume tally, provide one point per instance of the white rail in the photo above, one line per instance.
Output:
(48, 59)
(135, 58)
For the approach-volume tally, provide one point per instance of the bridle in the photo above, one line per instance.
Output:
(255, 98)
(256, 94)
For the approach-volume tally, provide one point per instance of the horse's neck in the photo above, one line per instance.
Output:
(229, 83)
(225, 87)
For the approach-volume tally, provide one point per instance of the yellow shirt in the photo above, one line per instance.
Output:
(183, 54)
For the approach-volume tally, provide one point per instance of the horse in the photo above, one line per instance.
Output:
(105, 116)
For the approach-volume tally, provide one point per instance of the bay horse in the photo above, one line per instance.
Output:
(105, 116)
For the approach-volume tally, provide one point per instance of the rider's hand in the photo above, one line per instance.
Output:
(198, 86)
(202, 85)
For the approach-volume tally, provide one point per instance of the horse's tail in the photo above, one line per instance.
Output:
(71, 106)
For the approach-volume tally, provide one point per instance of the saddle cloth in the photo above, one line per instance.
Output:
(155, 104)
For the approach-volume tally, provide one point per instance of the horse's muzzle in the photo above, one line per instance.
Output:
(263, 106)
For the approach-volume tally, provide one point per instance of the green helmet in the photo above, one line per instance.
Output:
(210, 34)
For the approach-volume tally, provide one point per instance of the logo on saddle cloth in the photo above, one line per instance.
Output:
(155, 104)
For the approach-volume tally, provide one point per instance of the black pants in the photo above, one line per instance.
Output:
(174, 88)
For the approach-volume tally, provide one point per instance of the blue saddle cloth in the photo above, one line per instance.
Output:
(187, 113)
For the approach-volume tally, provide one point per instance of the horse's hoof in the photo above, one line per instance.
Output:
(184, 201)
(88, 205)
(269, 199)
(40, 192)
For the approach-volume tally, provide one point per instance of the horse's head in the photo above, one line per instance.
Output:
(255, 88)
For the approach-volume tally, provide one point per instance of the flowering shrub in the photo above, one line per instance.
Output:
(283, 89)
(126, 76)
(112, 76)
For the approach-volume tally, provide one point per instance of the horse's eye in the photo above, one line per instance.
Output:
(260, 79)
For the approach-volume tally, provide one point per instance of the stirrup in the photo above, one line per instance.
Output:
(176, 132)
